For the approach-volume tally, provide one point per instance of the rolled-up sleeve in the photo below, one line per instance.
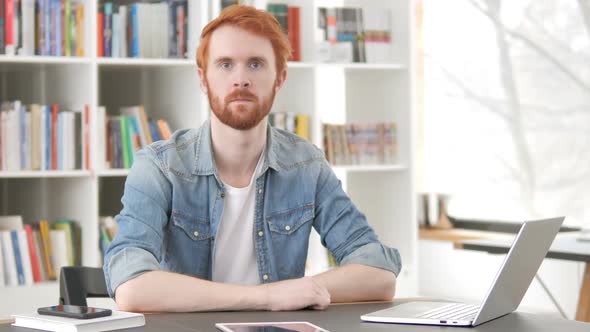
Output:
(137, 246)
(344, 230)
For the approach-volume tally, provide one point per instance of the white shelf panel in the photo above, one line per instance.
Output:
(141, 62)
(43, 174)
(44, 59)
(26, 299)
(365, 66)
(113, 172)
(371, 168)
(297, 64)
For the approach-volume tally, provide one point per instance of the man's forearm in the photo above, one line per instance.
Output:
(165, 291)
(356, 282)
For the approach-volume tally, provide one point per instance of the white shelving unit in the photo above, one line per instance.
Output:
(169, 89)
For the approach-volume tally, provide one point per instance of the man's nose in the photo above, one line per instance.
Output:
(241, 79)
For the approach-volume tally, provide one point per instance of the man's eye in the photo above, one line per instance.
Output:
(255, 65)
(225, 65)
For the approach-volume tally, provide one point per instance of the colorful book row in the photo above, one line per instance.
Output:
(360, 144)
(291, 122)
(120, 136)
(146, 30)
(43, 137)
(348, 34)
(289, 18)
(36, 252)
(42, 27)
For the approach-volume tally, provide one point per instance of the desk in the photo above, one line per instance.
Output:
(341, 318)
(565, 246)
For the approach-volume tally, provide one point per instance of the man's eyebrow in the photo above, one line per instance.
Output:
(222, 59)
(258, 58)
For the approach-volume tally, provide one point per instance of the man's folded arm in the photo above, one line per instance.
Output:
(345, 231)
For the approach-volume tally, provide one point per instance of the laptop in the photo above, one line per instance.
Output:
(511, 283)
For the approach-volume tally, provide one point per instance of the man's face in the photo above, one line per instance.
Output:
(241, 79)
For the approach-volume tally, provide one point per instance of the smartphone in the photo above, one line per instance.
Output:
(74, 311)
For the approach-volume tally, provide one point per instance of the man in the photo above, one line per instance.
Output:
(218, 218)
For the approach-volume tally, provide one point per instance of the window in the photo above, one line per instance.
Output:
(506, 108)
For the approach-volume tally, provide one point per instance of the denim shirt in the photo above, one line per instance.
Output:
(173, 202)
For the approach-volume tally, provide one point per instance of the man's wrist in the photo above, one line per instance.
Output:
(261, 296)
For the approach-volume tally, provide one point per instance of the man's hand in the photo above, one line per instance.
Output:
(295, 294)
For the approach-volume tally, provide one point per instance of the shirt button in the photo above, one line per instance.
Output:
(261, 233)
(196, 233)
(260, 191)
(222, 195)
(265, 277)
(288, 227)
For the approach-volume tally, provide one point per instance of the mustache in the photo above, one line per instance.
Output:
(240, 94)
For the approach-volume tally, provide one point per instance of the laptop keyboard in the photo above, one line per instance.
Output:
(455, 311)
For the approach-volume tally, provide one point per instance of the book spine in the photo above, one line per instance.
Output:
(67, 5)
(86, 137)
(52, 13)
(124, 141)
(25, 256)
(134, 31)
(154, 131)
(33, 254)
(18, 258)
(100, 32)
(23, 132)
(107, 28)
(9, 27)
(79, 26)
(58, 27)
(2, 26)
(54, 137)
(40, 252)
(48, 138)
(47, 249)
(10, 274)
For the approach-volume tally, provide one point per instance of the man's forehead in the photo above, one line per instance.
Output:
(232, 42)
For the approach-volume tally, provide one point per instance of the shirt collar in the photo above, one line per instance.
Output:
(205, 163)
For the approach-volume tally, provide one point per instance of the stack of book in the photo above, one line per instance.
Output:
(291, 122)
(120, 136)
(42, 27)
(141, 29)
(36, 252)
(360, 144)
(348, 34)
(288, 17)
(44, 137)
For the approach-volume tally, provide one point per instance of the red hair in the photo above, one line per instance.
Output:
(258, 22)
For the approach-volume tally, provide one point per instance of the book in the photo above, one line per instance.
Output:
(25, 256)
(118, 320)
(10, 273)
(60, 250)
(2, 268)
(47, 249)
(34, 253)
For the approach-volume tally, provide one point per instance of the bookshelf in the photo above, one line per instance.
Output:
(336, 93)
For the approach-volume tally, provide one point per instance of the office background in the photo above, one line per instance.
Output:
(485, 101)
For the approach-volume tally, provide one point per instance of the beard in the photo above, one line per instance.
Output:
(240, 116)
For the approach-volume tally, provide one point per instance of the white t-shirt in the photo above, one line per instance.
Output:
(234, 260)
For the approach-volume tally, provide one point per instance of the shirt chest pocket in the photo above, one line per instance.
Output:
(289, 221)
(197, 229)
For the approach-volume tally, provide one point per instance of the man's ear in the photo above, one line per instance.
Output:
(281, 78)
(203, 82)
